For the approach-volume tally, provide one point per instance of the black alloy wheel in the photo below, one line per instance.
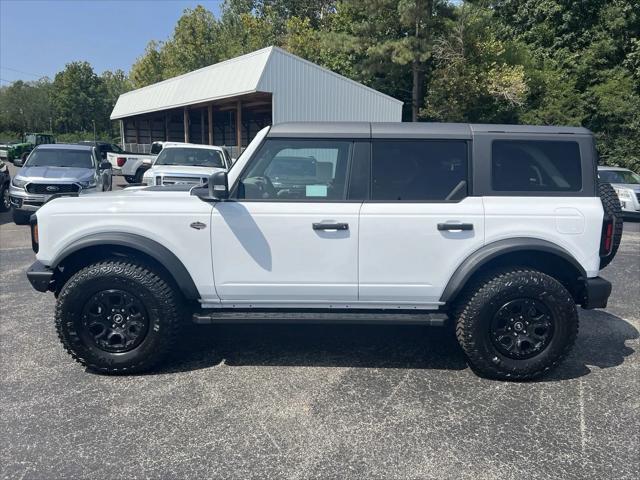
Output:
(114, 321)
(522, 328)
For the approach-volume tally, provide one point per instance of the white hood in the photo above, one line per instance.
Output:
(181, 169)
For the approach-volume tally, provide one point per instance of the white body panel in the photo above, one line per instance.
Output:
(159, 216)
(175, 172)
(268, 252)
(573, 223)
(404, 258)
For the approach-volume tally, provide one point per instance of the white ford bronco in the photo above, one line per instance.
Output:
(496, 230)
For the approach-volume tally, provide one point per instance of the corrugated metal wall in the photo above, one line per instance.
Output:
(303, 91)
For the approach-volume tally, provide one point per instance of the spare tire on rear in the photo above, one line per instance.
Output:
(612, 210)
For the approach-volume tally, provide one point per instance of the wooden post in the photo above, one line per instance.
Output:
(210, 117)
(122, 137)
(166, 127)
(239, 126)
(186, 125)
(202, 127)
(135, 123)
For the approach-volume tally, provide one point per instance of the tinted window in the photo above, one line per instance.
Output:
(43, 157)
(535, 166)
(419, 170)
(193, 157)
(297, 169)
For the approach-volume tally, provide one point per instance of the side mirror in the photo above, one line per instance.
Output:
(105, 166)
(219, 186)
(18, 162)
(216, 190)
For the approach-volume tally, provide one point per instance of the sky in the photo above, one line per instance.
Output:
(38, 37)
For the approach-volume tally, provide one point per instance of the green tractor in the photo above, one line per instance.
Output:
(29, 142)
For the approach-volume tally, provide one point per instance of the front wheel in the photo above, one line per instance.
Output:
(516, 324)
(118, 317)
(5, 199)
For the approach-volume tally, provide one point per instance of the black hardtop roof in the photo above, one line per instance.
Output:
(410, 130)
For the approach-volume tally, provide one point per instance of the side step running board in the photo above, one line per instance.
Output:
(348, 317)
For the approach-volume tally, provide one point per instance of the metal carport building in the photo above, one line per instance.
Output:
(229, 102)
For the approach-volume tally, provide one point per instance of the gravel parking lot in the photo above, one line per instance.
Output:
(303, 401)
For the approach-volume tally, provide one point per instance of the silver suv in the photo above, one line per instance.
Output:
(56, 170)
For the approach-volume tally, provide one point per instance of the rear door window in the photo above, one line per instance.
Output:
(535, 166)
(419, 170)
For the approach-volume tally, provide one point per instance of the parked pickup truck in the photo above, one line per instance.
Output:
(186, 163)
(61, 169)
(133, 165)
(495, 231)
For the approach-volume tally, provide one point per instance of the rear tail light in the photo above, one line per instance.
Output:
(121, 161)
(606, 242)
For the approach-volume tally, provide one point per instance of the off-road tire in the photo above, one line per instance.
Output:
(163, 304)
(5, 203)
(612, 209)
(20, 217)
(480, 302)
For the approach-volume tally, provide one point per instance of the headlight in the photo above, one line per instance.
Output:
(88, 184)
(148, 180)
(624, 194)
(18, 182)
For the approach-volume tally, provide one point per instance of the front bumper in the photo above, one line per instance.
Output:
(596, 293)
(40, 276)
(21, 200)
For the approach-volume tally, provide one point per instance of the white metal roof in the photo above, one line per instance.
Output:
(301, 90)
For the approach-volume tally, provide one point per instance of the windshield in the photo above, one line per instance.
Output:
(60, 158)
(192, 157)
(619, 176)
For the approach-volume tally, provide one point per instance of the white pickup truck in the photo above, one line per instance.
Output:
(133, 165)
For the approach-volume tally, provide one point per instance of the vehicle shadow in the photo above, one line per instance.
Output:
(601, 343)
(6, 218)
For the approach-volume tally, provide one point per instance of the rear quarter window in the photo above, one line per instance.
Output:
(535, 166)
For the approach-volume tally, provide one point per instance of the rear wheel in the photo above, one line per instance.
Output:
(139, 175)
(516, 324)
(611, 206)
(118, 317)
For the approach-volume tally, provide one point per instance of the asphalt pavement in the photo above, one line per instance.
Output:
(303, 401)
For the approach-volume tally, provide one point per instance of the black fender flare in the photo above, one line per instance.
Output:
(145, 245)
(474, 262)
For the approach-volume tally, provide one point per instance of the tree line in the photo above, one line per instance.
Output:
(549, 62)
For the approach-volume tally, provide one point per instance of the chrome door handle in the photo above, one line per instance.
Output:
(455, 226)
(330, 226)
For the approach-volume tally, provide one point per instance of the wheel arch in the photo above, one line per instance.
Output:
(540, 254)
(105, 245)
